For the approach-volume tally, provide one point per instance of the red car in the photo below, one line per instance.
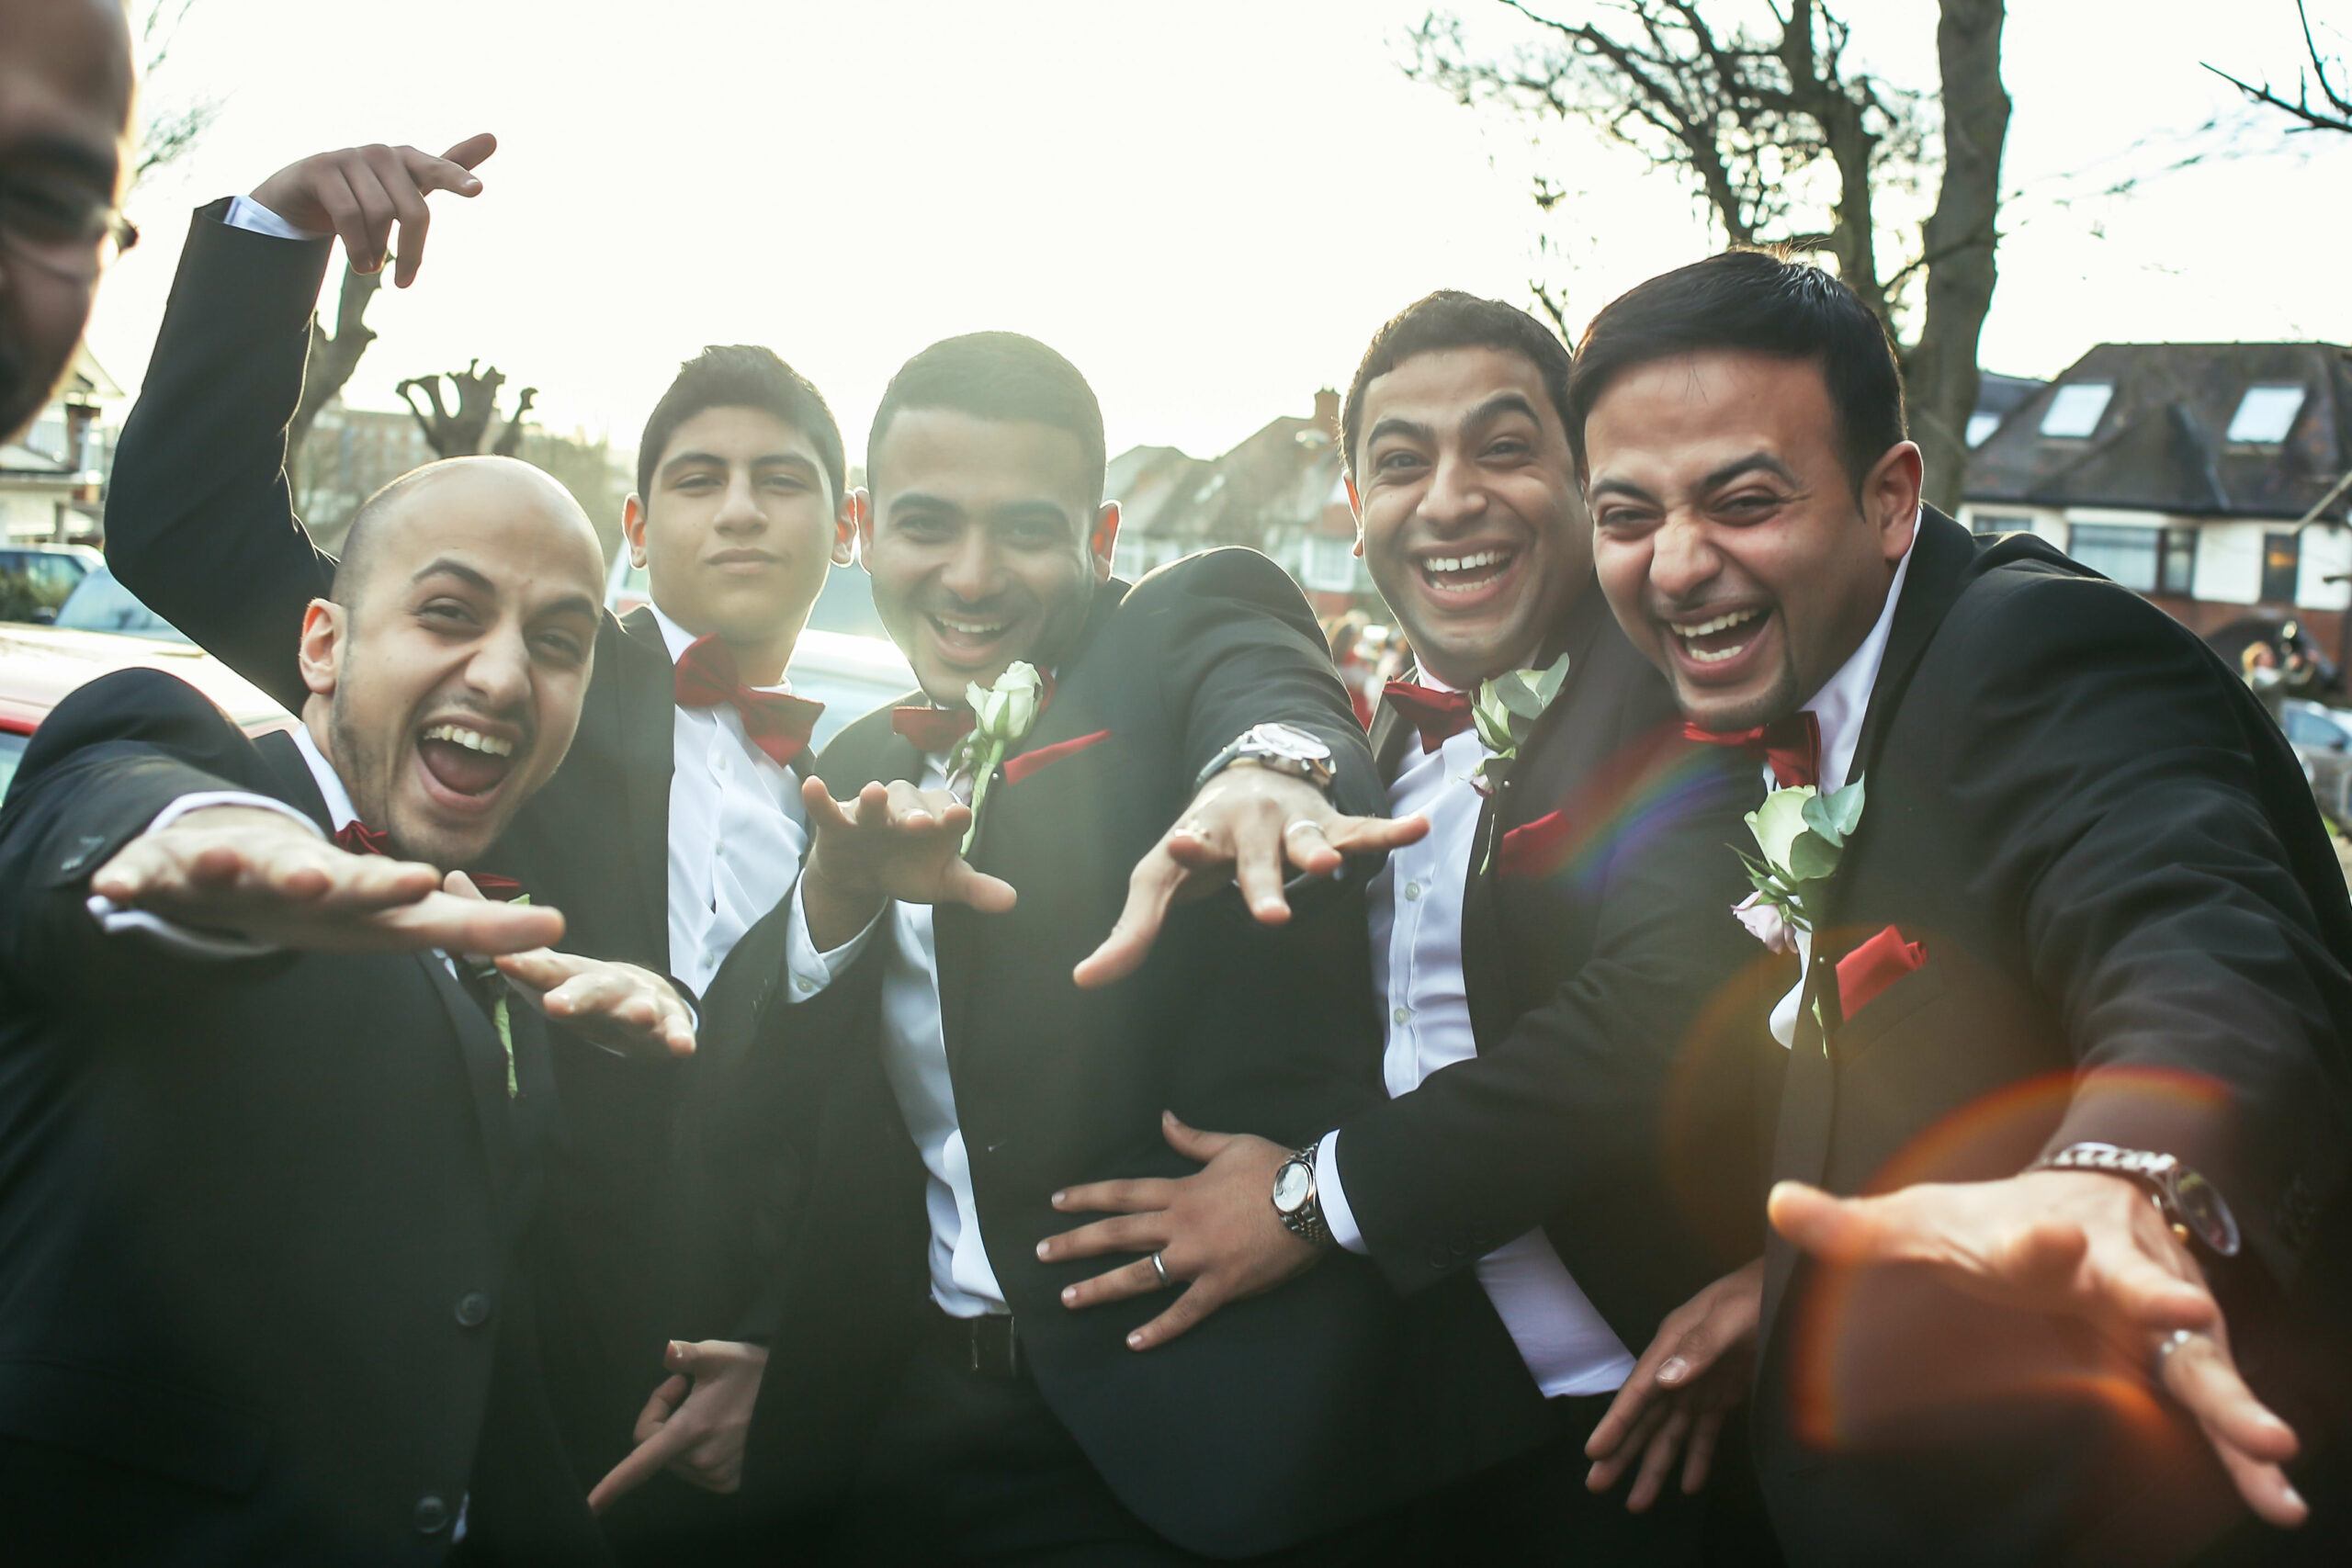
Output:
(40, 665)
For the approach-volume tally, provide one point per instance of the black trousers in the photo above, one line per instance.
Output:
(1536, 1509)
(976, 1468)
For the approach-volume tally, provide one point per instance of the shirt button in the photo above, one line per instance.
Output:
(473, 1309)
(1412, 890)
(1401, 1014)
(805, 985)
(432, 1514)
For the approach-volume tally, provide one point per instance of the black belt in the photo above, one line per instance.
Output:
(987, 1347)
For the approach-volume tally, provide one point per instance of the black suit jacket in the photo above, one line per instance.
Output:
(2136, 932)
(1281, 1416)
(200, 526)
(259, 1301)
(1607, 1102)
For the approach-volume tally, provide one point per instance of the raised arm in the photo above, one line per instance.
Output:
(201, 521)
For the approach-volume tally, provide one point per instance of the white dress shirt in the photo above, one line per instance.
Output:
(1839, 707)
(1414, 906)
(737, 829)
(914, 1055)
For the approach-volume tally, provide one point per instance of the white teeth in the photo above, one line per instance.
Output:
(1720, 624)
(970, 628)
(472, 739)
(1463, 563)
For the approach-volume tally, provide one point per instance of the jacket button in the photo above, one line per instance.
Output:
(474, 1310)
(431, 1515)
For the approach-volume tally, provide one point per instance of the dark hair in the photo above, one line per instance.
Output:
(1755, 302)
(1000, 376)
(742, 376)
(1450, 318)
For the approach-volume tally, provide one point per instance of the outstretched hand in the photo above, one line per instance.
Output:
(268, 878)
(1686, 1384)
(1214, 1232)
(695, 1424)
(1249, 826)
(360, 193)
(893, 841)
(2076, 1244)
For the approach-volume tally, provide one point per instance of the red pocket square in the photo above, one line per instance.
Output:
(1533, 848)
(1873, 966)
(1021, 767)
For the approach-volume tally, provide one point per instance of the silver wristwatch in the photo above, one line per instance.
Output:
(2191, 1205)
(1279, 747)
(1296, 1204)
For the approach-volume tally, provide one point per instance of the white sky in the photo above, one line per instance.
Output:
(1208, 207)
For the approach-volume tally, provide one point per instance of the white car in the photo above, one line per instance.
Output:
(842, 659)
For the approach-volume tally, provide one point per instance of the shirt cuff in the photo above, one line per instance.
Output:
(246, 213)
(188, 942)
(808, 971)
(1338, 1217)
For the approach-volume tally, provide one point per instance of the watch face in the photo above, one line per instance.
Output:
(1292, 1183)
(1282, 740)
(2201, 1207)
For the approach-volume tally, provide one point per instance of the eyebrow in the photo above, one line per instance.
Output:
(81, 157)
(713, 460)
(1393, 424)
(1500, 404)
(570, 604)
(1738, 465)
(444, 567)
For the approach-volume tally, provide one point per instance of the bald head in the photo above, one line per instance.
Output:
(66, 84)
(487, 497)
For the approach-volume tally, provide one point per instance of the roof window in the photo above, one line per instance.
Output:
(2266, 414)
(2075, 410)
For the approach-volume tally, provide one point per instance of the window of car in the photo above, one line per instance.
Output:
(100, 604)
(12, 751)
(2307, 727)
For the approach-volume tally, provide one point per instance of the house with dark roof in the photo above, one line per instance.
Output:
(1280, 490)
(2209, 477)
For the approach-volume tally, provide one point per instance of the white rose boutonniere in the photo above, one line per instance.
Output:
(1800, 837)
(1002, 715)
(1505, 711)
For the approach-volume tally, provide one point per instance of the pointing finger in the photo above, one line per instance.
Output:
(989, 894)
(1150, 890)
(643, 1463)
(470, 153)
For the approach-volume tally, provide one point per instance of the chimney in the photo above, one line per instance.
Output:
(1327, 412)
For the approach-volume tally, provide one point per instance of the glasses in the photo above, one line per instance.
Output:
(69, 230)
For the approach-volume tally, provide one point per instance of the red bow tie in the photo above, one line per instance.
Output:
(1790, 745)
(932, 729)
(775, 723)
(356, 838)
(1439, 715)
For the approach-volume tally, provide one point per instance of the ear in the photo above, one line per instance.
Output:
(1355, 507)
(858, 507)
(633, 529)
(1891, 499)
(1105, 541)
(319, 653)
(845, 529)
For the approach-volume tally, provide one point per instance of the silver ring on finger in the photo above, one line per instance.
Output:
(1160, 1267)
(1296, 824)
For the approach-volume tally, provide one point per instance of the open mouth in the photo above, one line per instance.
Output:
(1721, 639)
(967, 639)
(1467, 572)
(467, 762)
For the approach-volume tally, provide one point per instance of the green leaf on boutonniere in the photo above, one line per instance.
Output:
(1812, 857)
(1002, 715)
(1506, 710)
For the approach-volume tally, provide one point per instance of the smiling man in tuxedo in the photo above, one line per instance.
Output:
(1542, 959)
(890, 1172)
(273, 1130)
(2077, 1001)
(676, 819)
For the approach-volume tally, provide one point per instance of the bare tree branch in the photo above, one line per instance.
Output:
(2333, 111)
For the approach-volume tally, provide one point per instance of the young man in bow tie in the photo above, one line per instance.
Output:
(676, 819)
(1542, 960)
(271, 1138)
(2075, 1003)
(891, 1186)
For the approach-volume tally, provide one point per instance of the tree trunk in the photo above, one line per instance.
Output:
(333, 359)
(1940, 372)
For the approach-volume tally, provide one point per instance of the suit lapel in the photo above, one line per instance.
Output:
(1525, 794)
(485, 1062)
(297, 787)
(644, 696)
(1941, 562)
